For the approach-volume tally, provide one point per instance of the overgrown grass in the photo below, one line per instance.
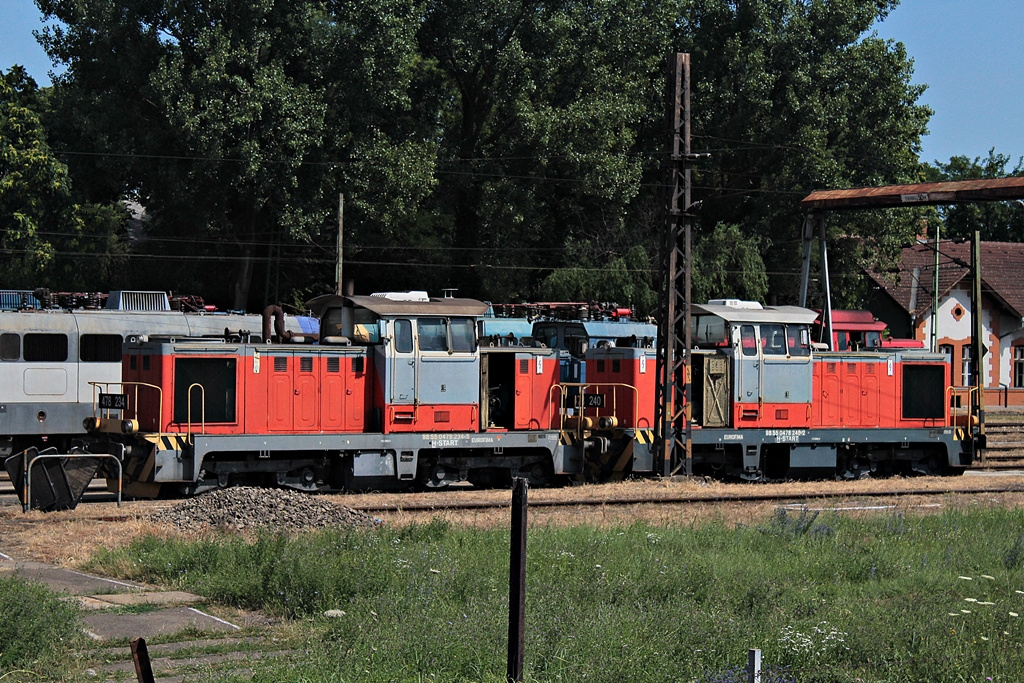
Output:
(37, 630)
(826, 598)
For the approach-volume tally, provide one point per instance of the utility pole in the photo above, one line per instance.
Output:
(672, 405)
(934, 345)
(340, 286)
(977, 339)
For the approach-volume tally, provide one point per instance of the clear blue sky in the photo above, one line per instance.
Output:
(970, 53)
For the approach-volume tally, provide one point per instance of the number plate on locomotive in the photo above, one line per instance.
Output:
(113, 401)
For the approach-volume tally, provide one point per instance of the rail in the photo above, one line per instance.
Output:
(27, 476)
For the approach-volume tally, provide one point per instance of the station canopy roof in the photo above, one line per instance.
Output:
(916, 194)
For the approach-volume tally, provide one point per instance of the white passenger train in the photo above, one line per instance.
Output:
(50, 356)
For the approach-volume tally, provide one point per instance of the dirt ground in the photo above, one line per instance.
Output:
(69, 538)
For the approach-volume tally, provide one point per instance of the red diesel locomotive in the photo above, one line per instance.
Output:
(399, 393)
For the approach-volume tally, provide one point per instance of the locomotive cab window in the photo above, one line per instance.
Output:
(709, 330)
(773, 340)
(442, 334)
(463, 335)
(798, 337)
(216, 376)
(432, 333)
(748, 341)
(10, 346)
(403, 336)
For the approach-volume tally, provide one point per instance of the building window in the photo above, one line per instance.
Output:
(1018, 366)
(966, 366)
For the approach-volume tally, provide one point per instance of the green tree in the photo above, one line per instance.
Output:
(790, 96)
(541, 105)
(996, 221)
(47, 238)
(237, 125)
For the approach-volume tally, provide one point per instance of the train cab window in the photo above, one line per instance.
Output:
(463, 337)
(748, 342)
(10, 346)
(709, 330)
(872, 340)
(547, 334)
(773, 339)
(46, 348)
(100, 348)
(432, 333)
(799, 340)
(403, 336)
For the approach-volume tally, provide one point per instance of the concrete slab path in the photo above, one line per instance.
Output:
(104, 600)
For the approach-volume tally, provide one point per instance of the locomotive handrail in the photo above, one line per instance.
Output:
(135, 403)
(202, 410)
(562, 386)
(952, 391)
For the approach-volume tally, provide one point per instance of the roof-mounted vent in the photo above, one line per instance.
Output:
(124, 300)
(403, 296)
(736, 303)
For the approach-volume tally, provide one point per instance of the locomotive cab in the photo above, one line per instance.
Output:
(752, 366)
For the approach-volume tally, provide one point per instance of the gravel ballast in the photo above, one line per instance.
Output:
(247, 507)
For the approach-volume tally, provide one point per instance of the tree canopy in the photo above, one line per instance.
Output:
(46, 236)
(995, 221)
(512, 149)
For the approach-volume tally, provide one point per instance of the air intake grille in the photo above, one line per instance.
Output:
(123, 300)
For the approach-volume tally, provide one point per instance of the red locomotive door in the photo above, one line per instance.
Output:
(307, 395)
(293, 393)
(850, 377)
(279, 392)
(869, 395)
(332, 395)
(831, 395)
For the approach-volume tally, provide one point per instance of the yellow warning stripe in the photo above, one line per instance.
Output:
(644, 436)
(168, 442)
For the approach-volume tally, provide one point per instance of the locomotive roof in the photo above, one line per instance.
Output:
(383, 306)
(768, 314)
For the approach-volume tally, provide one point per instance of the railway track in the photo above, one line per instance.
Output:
(1005, 448)
(645, 492)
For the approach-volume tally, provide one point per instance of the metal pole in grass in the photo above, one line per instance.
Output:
(754, 666)
(517, 581)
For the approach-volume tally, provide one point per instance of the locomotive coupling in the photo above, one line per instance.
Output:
(598, 445)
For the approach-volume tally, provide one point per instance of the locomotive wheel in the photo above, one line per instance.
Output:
(434, 477)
